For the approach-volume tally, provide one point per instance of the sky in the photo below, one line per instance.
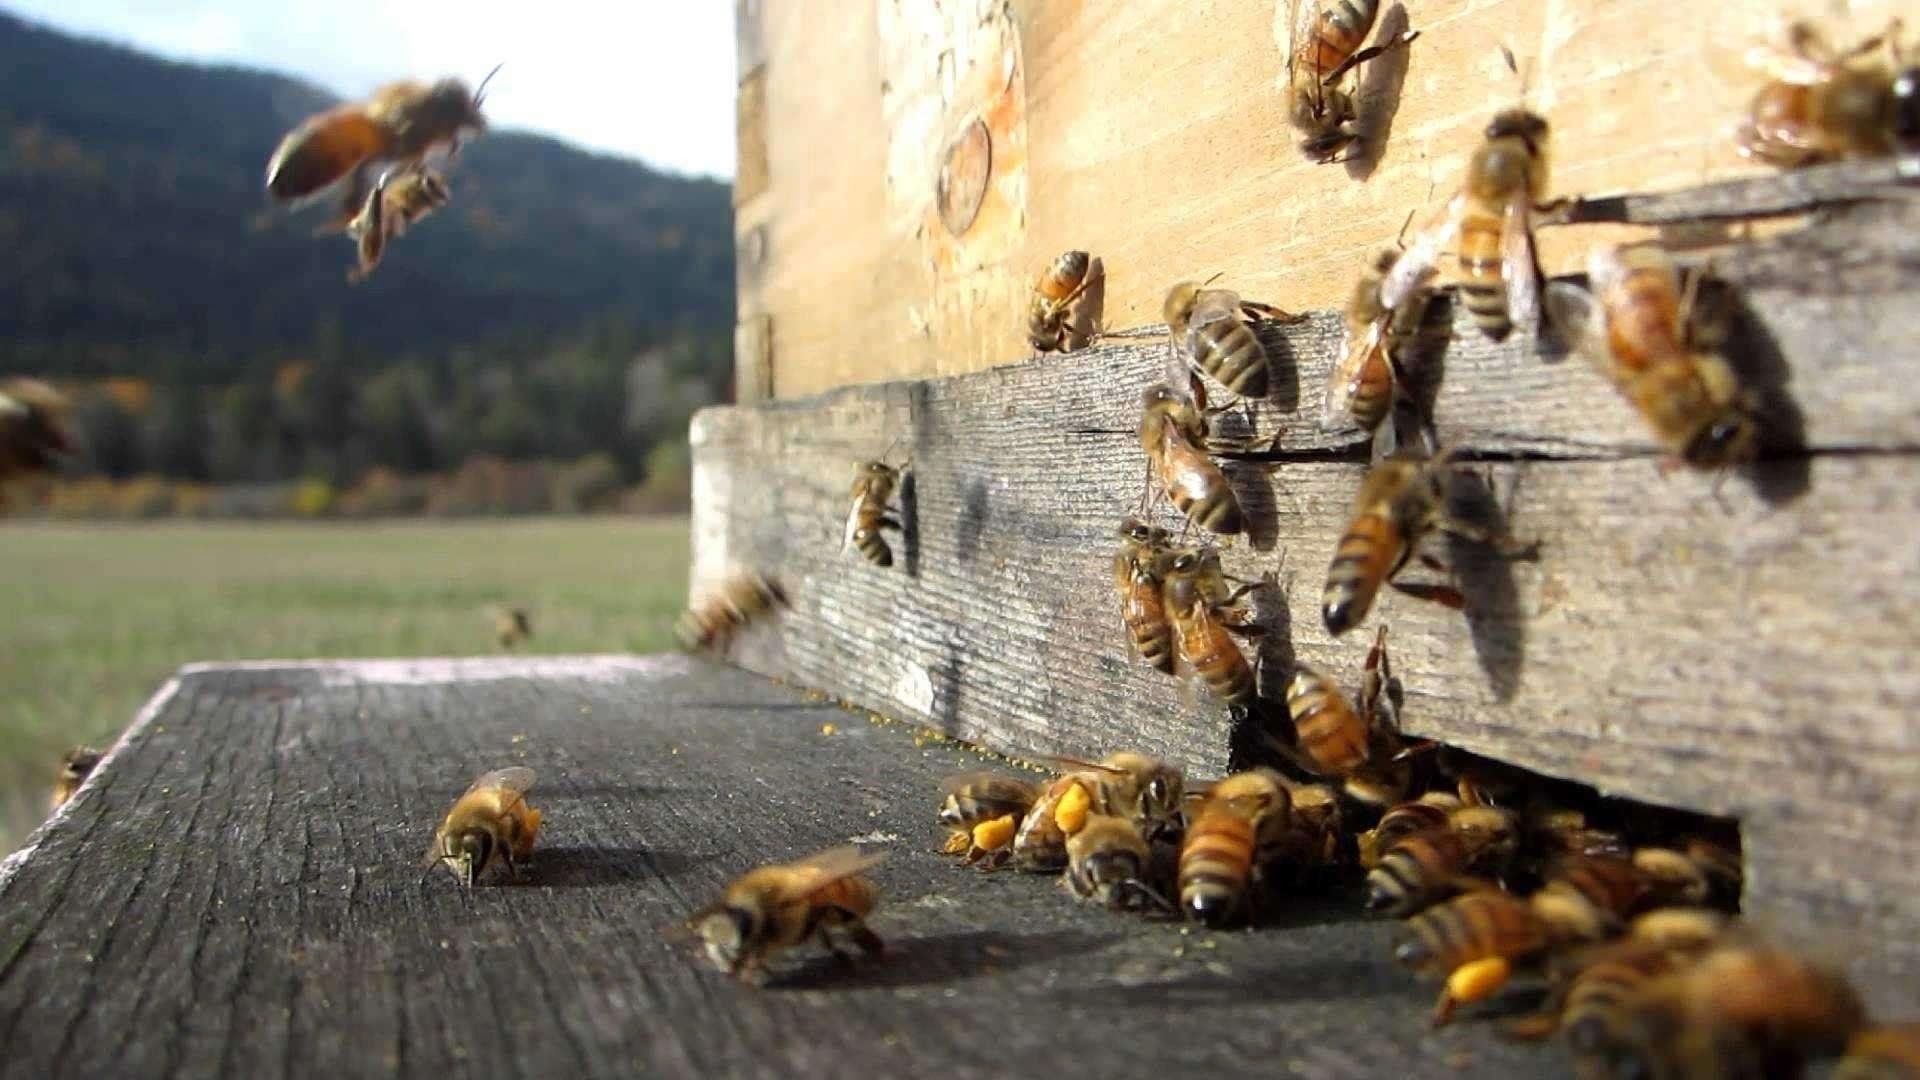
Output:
(649, 79)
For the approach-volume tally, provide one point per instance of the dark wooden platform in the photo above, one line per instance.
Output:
(237, 892)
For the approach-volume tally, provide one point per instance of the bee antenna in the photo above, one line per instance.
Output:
(1217, 275)
(480, 93)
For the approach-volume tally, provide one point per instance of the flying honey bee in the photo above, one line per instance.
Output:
(491, 821)
(1138, 568)
(1826, 105)
(75, 766)
(1403, 499)
(1376, 347)
(1210, 329)
(1354, 740)
(982, 811)
(774, 908)
(1488, 226)
(1176, 435)
(1204, 615)
(1324, 45)
(1886, 1052)
(1237, 829)
(742, 596)
(33, 431)
(1742, 1009)
(1108, 861)
(511, 626)
(399, 125)
(1423, 868)
(1637, 328)
(1061, 285)
(1473, 942)
(873, 485)
(1143, 789)
(396, 203)
(1429, 811)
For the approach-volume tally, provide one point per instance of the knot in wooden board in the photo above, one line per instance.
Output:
(965, 168)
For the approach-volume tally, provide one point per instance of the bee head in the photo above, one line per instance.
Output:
(1520, 124)
(468, 855)
(728, 931)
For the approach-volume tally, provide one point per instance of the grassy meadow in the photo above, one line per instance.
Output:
(97, 617)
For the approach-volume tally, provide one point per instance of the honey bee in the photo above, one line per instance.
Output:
(1110, 862)
(1402, 500)
(1823, 105)
(75, 766)
(1239, 826)
(1742, 1009)
(1143, 789)
(1137, 571)
(1636, 327)
(1356, 742)
(1559, 830)
(1489, 227)
(400, 124)
(873, 484)
(1589, 898)
(1375, 348)
(1886, 1052)
(1060, 286)
(490, 821)
(1591, 988)
(511, 626)
(396, 203)
(1473, 941)
(1323, 47)
(742, 596)
(1210, 329)
(1315, 828)
(1175, 433)
(1422, 868)
(1429, 811)
(33, 431)
(774, 908)
(1204, 613)
(981, 812)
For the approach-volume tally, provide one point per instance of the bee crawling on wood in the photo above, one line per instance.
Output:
(75, 766)
(490, 822)
(874, 483)
(1473, 942)
(1377, 348)
(1826, 105)
(981, 812)
(1108, 861)
(1422, 868)
(1235, 829)
(1355, 740)
(1322, 47)
(1206, 613)
(1139, 568)
(767, 911)
(1212, 330)
(1176, 435)
(1138, 787)
(400, 125)
(1051, 322)
(741, 597)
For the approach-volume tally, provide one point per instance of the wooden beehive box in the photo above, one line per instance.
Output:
(1742, 649)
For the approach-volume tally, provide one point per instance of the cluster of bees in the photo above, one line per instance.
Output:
(398, 131)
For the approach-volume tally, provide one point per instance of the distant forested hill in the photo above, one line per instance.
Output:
(136, 240)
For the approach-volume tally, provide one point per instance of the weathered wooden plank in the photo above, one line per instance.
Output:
(1156, 137)
(237, 892)
(1744, 652)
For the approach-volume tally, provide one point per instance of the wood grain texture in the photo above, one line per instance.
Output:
(1156, 138)
(237, 893)
(1743, 652)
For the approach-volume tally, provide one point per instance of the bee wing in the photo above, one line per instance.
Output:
(987, 780)
(516, 780)
(1517, 264)
(1415, 266)
(1578, 320)
(823, 868)
(853, 520)
(1354, 350)
(1306, 19)
(1073, 763)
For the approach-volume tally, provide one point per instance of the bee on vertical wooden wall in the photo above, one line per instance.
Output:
(1212, 329)
(982, 812)
(75, 766)
(396, 203)
(1174, 433)
(400, 124)
(874, 483)
(1354, 740)
(713, 617)
(1065, 281)
(1204, 615)
(1376, 347)
(1637, 328)
(1824, 104)
(1488, 226)
(1402, 500)
(1323, 46)
(774, 908)
(1138, 568)
(490, 823)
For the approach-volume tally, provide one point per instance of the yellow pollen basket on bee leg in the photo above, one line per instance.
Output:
(1070, 812)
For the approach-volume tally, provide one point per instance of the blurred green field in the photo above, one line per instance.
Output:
(97, 617)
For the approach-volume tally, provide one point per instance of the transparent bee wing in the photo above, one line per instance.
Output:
(1301, 36)
(1577, 319)
(516, 779)
(1517, 264)
(823, 868)
(990, 785)
(1416, 265)
(1354, 350)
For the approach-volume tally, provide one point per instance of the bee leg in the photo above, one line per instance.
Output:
(1367, 54)
(1445, 595)
(868, 941)
(1270, 312)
